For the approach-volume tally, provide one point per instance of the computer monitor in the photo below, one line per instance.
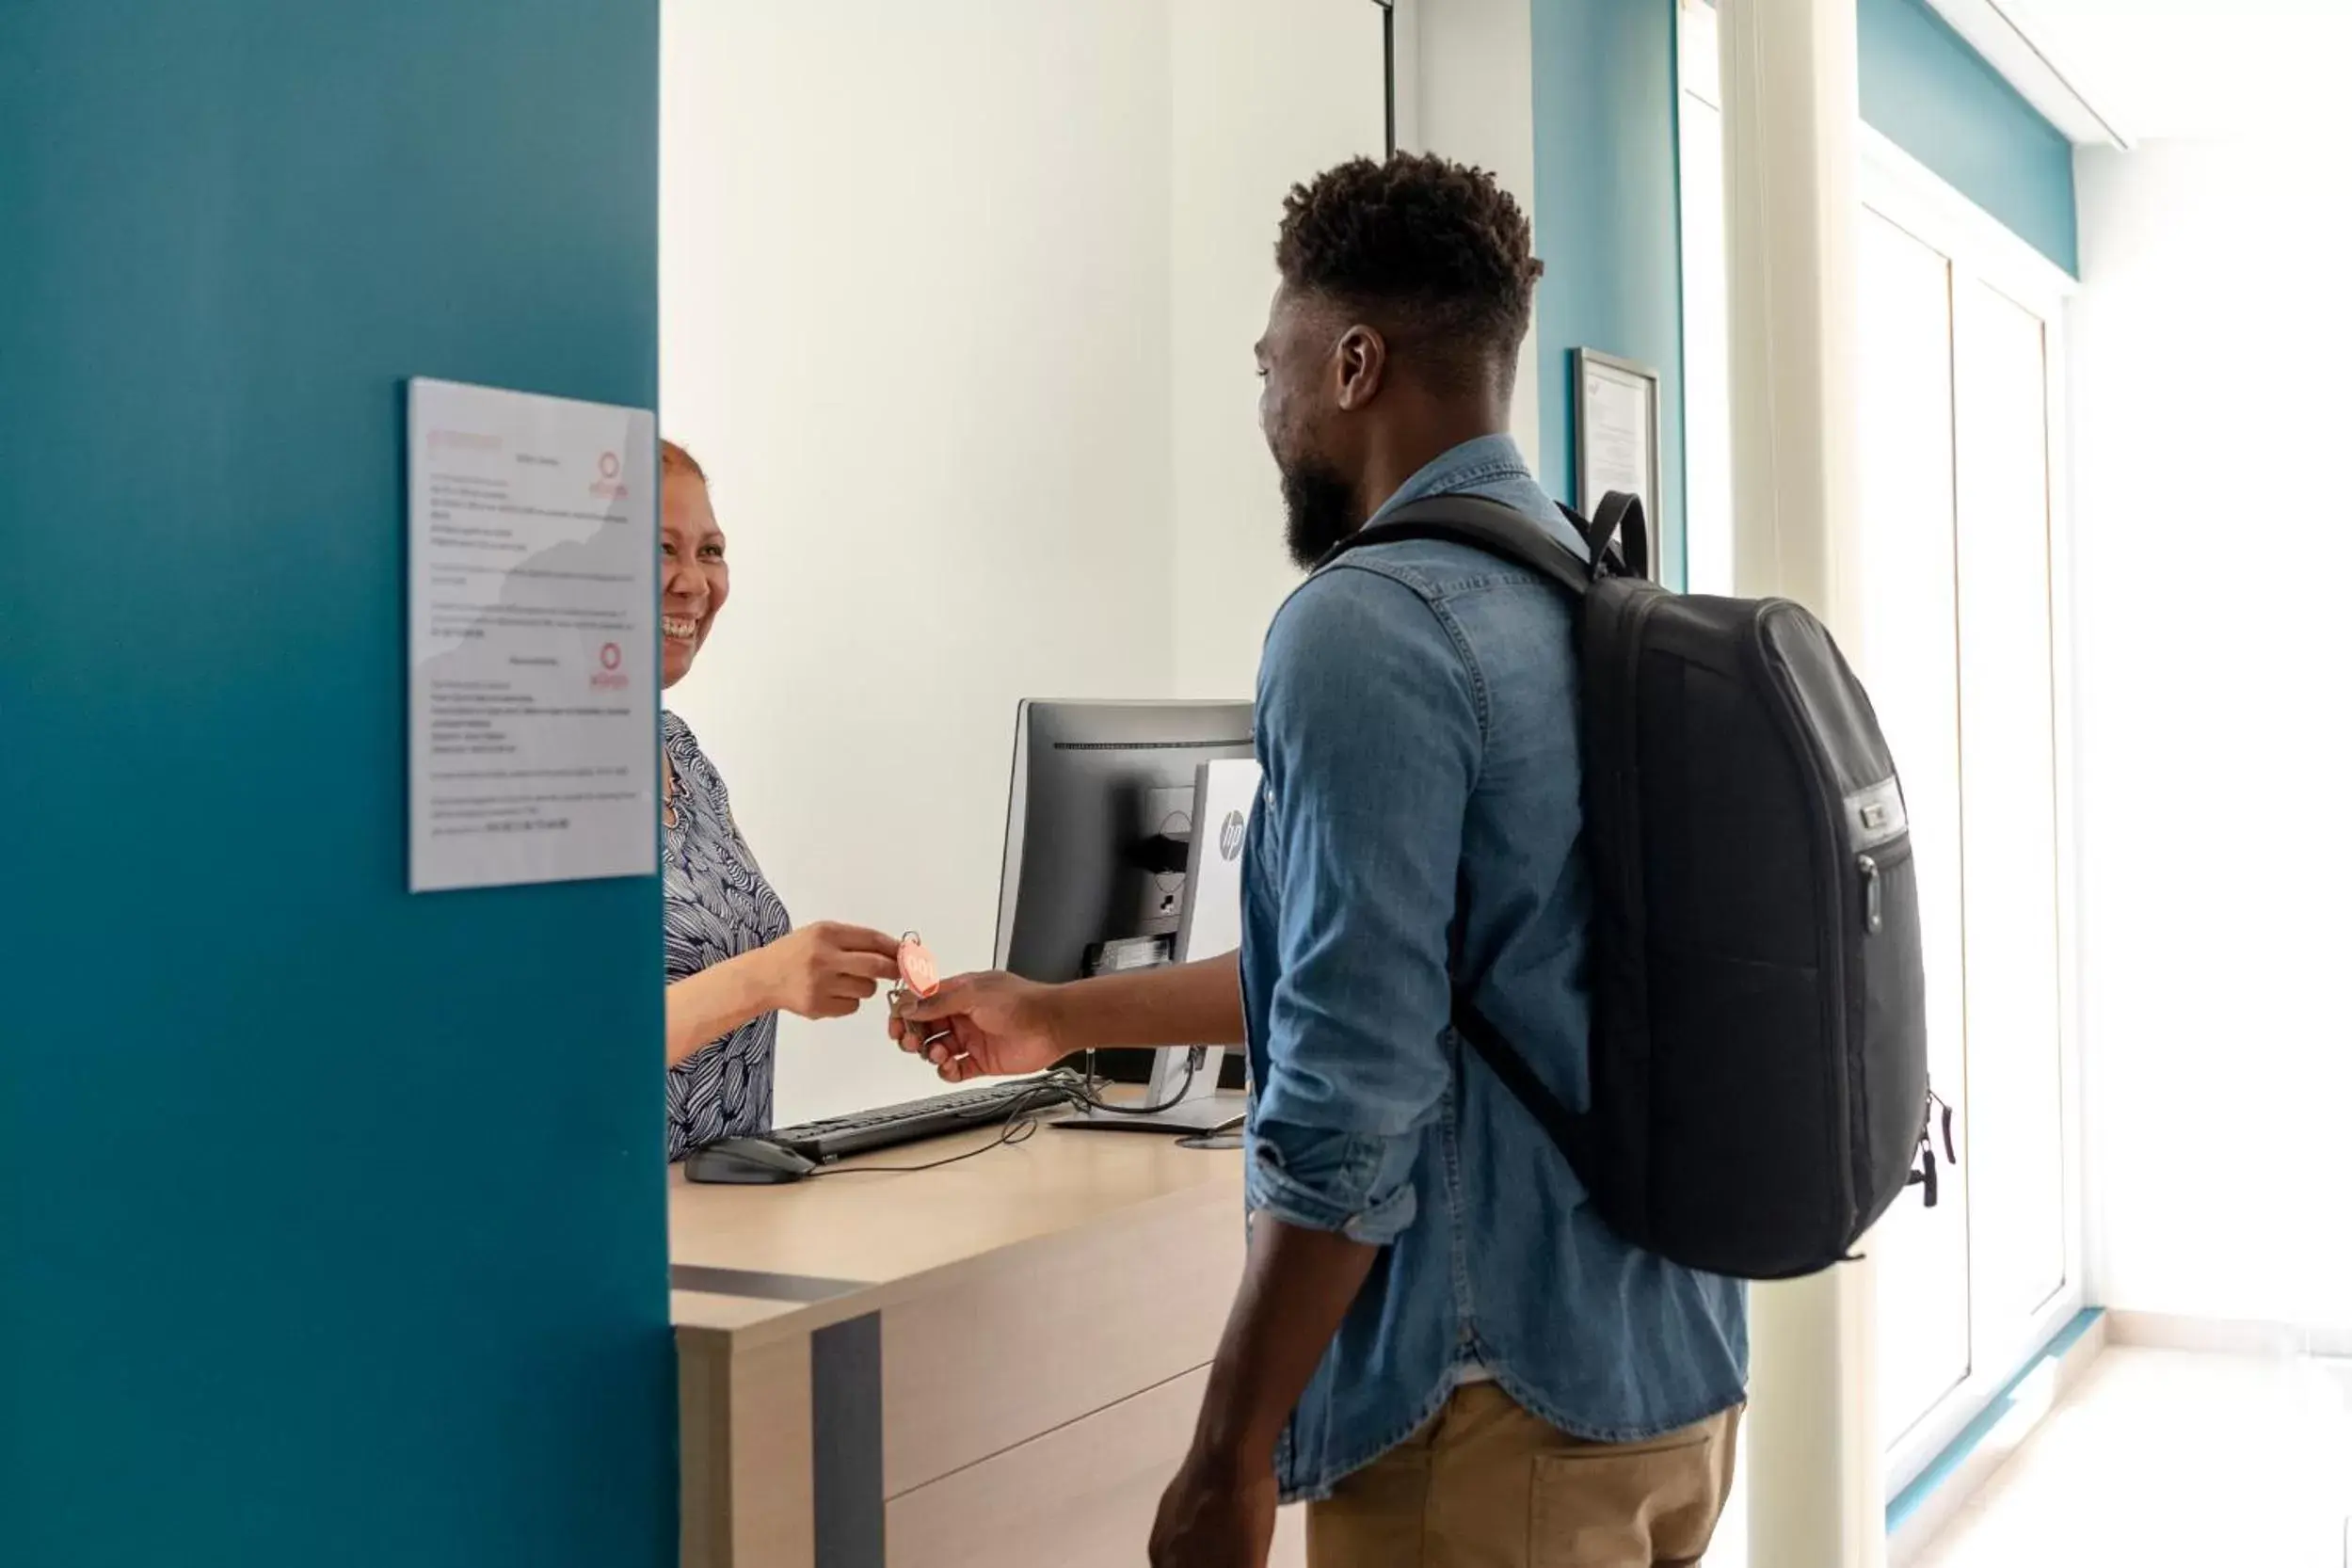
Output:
(1097, 844)
(1225, 793)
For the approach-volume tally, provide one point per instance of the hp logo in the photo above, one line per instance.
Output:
(1229, 837)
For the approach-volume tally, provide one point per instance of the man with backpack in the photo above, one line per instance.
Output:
(1438, 1340)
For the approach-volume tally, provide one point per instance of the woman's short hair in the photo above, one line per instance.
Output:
(676, 460)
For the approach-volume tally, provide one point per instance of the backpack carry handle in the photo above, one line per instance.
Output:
(1619, 519)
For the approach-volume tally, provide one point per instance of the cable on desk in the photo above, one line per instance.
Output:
(1193, 1059)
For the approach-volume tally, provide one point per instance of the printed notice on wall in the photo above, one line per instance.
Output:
(1617, 433)
(533, 669)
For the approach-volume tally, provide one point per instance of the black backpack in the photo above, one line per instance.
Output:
(1759, 1039)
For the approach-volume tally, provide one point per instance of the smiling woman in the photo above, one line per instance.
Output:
(733, 958)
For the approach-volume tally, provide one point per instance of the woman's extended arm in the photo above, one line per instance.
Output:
(820, 971)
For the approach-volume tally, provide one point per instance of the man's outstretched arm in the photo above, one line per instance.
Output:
(988, 1025)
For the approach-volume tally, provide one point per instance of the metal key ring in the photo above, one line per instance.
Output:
(898, 998)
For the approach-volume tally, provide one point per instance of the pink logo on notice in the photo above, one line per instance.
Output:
(611, 678)
(607, 484)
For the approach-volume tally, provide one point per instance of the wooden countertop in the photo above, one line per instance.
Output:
(747, 1260)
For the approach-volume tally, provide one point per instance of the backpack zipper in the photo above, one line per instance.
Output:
(1824, 773)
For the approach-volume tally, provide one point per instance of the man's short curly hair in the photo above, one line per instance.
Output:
(1435, 252)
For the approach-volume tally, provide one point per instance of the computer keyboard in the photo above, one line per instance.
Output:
(959, 1111)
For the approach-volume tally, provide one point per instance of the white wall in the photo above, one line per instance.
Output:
(2213, 548)
(914, 320)
(957, 304)
(1469, 93)
(1265, 96)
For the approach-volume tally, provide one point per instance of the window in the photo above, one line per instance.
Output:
(1958, 345)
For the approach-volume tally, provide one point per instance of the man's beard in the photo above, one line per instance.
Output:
(1319, 510)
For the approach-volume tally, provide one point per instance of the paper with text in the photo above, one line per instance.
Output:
(534, 669)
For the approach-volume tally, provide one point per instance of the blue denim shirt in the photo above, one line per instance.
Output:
(1420, 822)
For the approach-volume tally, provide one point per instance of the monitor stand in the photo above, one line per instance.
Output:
(1200, 1110)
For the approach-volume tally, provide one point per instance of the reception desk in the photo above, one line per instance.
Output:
(990, 1363)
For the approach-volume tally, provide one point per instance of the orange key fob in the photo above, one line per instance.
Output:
(917, 968)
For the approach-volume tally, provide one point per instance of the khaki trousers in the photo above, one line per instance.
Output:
(1487, 1485)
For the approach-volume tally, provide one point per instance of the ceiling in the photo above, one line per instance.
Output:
(2181, 68)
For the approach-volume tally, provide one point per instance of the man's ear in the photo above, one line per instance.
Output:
(1362, 366)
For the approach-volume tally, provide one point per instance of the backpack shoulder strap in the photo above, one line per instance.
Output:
(1504, 532)
(1569, 1131)
(1483, 524)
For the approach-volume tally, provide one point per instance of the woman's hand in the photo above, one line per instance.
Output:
(983, 1026)
(826, 969)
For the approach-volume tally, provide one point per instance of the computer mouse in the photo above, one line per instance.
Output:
(747, 1162)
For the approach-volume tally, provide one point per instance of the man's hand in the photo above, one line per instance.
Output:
(983, 1026)
(1297, 1287)
(987, 1024)
(1215, 1515)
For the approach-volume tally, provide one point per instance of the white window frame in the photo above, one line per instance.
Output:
(1906, 193)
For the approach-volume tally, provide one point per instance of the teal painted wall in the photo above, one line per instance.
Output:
(331, 1219)
(1932, 95)
(1608, 219)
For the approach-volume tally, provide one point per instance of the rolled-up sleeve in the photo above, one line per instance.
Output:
(1370, 730)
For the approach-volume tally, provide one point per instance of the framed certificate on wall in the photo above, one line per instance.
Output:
(1613, 435)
